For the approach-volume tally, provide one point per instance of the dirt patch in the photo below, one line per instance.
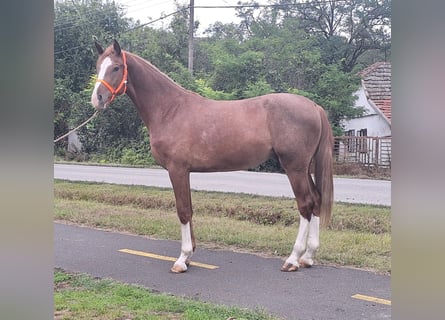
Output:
(355, 170)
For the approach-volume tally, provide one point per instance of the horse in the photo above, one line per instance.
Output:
(190, 133)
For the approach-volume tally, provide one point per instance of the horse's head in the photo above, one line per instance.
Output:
(111, 75)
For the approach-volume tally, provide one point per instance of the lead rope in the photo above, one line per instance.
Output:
(78, 127)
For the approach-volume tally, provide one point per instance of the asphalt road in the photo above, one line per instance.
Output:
(364, 191)
(243, 280)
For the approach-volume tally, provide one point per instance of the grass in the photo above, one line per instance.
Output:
(359, 235)
(78, 296)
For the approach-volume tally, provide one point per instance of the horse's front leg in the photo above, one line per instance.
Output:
(180, 180)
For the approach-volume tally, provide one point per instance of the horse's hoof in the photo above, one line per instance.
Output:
(177, 268)
(289, 267)
(306, 263)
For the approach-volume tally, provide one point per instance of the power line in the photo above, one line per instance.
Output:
(156, 20)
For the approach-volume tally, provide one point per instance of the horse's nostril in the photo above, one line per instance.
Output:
(99, 96)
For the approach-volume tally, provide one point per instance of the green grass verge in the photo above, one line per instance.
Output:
(359, 235)
(78, 297)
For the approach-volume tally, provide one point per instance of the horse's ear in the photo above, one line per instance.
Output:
(117, 47)
(99, 48)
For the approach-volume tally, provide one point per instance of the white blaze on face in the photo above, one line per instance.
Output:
(102, 70)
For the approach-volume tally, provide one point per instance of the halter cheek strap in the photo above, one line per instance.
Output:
(123, 83)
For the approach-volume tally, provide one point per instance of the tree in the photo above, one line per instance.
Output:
(221, 31)
(347, 28)
(233, 73)
(76, 24)
(257, 88)
(178, 40)
(279, 53)
(334, 92)
(292, 57)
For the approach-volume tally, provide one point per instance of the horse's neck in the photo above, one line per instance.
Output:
(152, 92)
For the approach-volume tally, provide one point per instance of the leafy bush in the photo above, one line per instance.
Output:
(206, 91)
(136, 157)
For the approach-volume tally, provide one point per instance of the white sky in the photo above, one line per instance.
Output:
(143, 10)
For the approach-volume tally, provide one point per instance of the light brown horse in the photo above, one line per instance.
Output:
(190, 133)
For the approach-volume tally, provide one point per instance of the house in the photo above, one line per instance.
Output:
(374, 95)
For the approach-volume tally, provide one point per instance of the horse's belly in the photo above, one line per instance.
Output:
(228, 157)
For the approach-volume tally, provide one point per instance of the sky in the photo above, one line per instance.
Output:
(143, 10)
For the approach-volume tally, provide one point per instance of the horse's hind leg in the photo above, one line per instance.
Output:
(313, 242)
(307, 240)
(292, 262)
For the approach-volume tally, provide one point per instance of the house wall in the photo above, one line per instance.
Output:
(372, 121)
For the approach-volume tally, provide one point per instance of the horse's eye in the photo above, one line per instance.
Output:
(116, 69)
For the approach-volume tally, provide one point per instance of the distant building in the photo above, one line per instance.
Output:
(367, 139)
(374, 96)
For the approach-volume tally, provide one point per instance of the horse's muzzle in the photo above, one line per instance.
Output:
(99, 101)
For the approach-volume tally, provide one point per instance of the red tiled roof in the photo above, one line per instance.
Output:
(385, 107)
(376, 80)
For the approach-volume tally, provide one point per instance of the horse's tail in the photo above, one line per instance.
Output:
(324, 170)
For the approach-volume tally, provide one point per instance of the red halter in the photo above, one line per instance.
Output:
(115, 92)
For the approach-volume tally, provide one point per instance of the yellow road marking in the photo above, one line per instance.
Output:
(165, 258)
(371, 299)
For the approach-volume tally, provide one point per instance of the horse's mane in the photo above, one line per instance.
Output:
(154, 69)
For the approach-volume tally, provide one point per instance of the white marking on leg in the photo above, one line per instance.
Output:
(186, 247)
(313, 242)
(300, 242)
(102, 70)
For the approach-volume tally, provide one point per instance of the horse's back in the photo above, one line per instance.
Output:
(291, 107)
(286, 119)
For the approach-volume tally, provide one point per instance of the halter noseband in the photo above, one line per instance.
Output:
(114, 92)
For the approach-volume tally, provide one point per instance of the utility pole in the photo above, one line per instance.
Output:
(191, 27)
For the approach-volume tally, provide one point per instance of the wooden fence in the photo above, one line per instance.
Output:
(368, 151)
